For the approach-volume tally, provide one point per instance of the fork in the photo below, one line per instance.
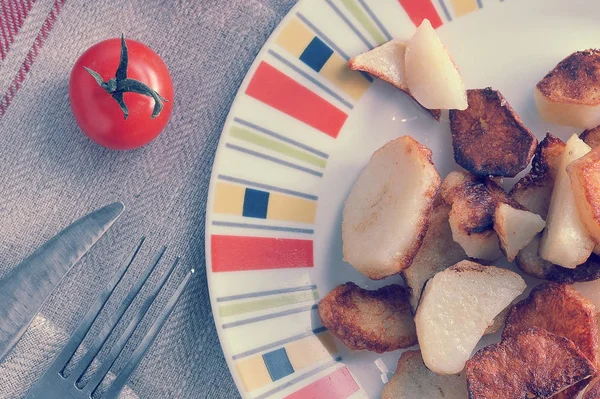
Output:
(55, 385)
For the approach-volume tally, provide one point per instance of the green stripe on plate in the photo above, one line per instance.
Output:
(364, 20)
(233, 309)
(282, 148)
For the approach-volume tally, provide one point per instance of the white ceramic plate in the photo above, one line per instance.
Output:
(299, 132)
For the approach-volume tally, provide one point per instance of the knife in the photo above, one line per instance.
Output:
(26, 287)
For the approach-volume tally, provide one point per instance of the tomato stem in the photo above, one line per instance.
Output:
(122, 84)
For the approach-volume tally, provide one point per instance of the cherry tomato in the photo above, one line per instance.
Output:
(121, 94)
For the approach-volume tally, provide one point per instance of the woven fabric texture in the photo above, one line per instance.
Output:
(51, 174)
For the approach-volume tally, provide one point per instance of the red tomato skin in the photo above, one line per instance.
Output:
(99, 115)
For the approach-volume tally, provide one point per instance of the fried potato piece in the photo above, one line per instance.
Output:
(431, 74)
(378, 321)
(561, 310)
(438, 252)
(489, 138)
(457, 306)
(591, 137)
(515, 228)
(566, 241)
(593, 389)
(386, 62)
(570, 93)
(533, 362)
(412, 380)
(473, 200)
(529, 262)
(585, 181)
(534, 190)
(386, 214)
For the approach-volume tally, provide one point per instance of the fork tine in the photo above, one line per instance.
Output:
(122, 341)
(119, 382)
(114, 319)
(69, 350)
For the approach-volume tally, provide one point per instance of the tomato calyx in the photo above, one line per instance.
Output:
(122, 84)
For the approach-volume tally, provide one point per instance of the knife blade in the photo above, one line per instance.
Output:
(25, 288)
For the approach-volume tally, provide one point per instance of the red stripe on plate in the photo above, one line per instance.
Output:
(235, 253)
(12, 17)
(31, 56)
(338, 385)
(283, 93)
(418, 10)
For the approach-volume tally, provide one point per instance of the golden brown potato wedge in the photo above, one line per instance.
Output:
(534, 362)
(489, 138)
(529, 262)
(585, 181)
(412, 380)
(378, 321)
(438, 252)
(591, 137)
(566, 241)
(534, 190)
(473, 200)
(515, 228)
(386, 214)
(563, 311)
(570, 93)
(386, 62)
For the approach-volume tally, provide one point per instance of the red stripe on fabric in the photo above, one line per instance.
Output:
(283, 93)
(236, 253)
(14, 13)
(31, 56)
(338, 385)
(418, 10)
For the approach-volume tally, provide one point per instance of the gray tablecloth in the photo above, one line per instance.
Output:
(51, 174)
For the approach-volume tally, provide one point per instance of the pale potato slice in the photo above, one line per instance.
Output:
(534, 364)
(534, 190)
(431, 75)
(450, 322)
(566, 242)
(585, 181)
(570, 93)
(515, 228)
(412, 380)
(489, 138)
(473, 200)
(385, 62)
(386, 215)
(378, 321)
(438, 252)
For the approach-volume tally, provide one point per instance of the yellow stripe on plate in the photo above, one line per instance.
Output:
(311, 350)
(351, 82)
(285, 207)
(463, 7)
(253, 372)
(229, 198)
(295, 37)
